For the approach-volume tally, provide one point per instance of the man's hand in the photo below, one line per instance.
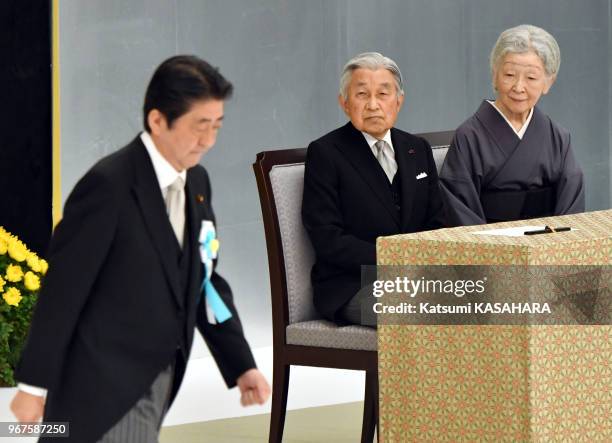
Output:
(253, 388)
(27, 407)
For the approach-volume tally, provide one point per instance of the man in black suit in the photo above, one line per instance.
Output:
(113, 327)
(362, 181)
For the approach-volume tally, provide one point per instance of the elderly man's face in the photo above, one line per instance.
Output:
(520, 80)
(372, 102)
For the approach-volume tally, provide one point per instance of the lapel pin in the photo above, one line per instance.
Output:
(411, 151)
(200, 198)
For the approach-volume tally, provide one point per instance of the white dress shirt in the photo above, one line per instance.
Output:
(164, 171)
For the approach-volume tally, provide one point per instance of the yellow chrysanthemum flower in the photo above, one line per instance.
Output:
(214, 245)
(34, 262)
(3, 234)
(14, 273)
(12, 296)
(17, 250)
(3, 247)
(2, 283)
(43, 266)
(31, 281)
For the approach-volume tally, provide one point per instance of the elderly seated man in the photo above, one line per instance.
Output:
(364, 180)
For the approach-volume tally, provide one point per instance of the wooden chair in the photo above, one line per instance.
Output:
(300, 335)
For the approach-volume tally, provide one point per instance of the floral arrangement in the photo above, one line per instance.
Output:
(21, 271)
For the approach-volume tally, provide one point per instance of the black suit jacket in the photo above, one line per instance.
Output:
(347, 205)
(112, 312)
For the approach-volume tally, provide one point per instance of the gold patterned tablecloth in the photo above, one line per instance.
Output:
(498, 383)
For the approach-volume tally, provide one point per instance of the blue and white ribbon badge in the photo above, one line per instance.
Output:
(216, 310)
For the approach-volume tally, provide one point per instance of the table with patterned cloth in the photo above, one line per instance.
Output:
(468, 383)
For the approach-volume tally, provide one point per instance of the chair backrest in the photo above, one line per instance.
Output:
(439, 141)
(280, 181)
(288, 186)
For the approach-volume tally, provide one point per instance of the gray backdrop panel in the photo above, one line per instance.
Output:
(284, 58)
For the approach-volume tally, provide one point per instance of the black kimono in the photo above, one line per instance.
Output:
(492, 175)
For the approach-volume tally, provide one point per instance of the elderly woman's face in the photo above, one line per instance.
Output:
(520, 80)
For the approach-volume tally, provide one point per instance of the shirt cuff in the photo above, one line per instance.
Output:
(34, 390)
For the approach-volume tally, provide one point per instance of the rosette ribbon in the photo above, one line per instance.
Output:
(209, 245)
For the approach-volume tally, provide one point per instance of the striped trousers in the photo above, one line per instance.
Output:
(141, 424)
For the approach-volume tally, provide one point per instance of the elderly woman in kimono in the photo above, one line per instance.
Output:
(510, 161)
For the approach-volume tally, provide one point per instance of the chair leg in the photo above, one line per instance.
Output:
(280, 388)
(370, 407)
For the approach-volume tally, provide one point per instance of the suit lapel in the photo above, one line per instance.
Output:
(149, 199)
(355, 148)
(405, 158)
(194, 217)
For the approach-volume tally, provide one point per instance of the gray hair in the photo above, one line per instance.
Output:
(373, 61)
(525, 38)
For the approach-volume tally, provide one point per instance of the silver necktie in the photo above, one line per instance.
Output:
(385, 158)
(175, 206)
